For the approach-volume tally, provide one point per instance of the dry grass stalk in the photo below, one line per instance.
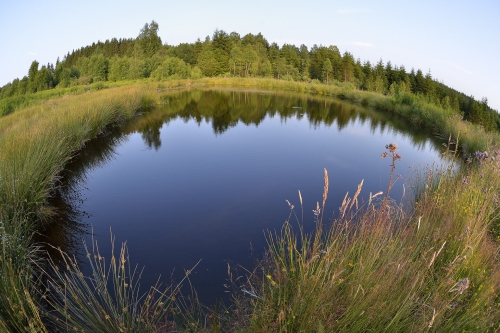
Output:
(434, 314)
(301, 206)
(374, 196)
(355, 197)
(325, 190)
(435, 254)
(344, 205)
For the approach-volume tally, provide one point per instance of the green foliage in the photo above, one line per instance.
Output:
(119, 69)
(43, 79)
(207, 62)
(196, 73)
(185, 52)
(98, 67)
(171, 68)
(32, 76)
(348, 67)
(327, 69)
(148, 40)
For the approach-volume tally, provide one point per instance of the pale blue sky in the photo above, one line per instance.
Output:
(457, 40)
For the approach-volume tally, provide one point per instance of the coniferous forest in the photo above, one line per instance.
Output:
(234, 55)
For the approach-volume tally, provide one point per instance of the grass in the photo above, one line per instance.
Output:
(431, 266)
(35, 144)
(15, 103)
(380, 268)
(109, 300)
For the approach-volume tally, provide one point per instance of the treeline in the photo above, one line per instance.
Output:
(226, 54)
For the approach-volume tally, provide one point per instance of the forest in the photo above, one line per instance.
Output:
(231, 55)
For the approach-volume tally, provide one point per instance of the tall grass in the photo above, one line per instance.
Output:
(15, 103)
(381, 268)
(109, 300)
(35, 144)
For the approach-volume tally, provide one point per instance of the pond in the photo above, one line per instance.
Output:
(208, 172)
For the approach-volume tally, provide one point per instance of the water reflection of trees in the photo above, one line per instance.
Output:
(223, 109)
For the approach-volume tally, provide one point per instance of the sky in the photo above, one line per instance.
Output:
(457, 41)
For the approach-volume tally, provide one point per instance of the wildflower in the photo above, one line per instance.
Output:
(269, 277)
(481, 156)
(461, 285)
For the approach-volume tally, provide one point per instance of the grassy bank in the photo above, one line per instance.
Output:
(12, 104)
(430, 267)
(35, 144)
(382, 268)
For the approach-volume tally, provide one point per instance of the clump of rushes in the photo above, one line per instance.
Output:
(19, 310)
(381, 268)
(109, 300)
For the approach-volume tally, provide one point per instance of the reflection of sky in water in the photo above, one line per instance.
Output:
(206, 196)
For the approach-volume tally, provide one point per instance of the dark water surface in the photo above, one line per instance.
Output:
(204, 175)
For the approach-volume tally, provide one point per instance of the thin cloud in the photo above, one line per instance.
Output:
(345, 11)
(31, 53)
(443, 61)
(460, 68)
(363, 44)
